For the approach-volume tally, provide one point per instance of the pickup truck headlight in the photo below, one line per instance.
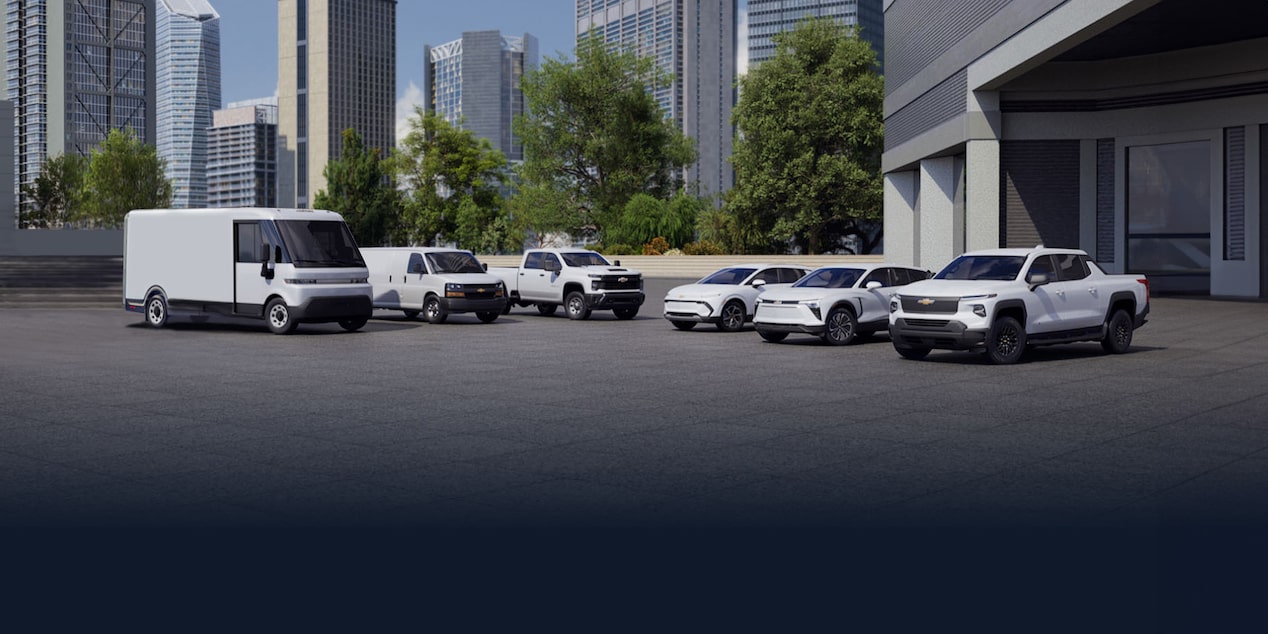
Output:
(979, 310)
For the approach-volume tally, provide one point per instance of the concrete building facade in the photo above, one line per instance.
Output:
(187, 91)
(242, 157)
(474, 83)
(766, 18)
(694, 41)
(336, 70)
(1134, 129)
(74, 72)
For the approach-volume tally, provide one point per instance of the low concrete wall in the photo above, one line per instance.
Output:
(95, 242)
(698, 266)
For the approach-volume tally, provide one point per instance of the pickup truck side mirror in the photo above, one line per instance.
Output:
(551, 266)
(1036, 280)
(484, 266)
(873, 285)
(616, 263)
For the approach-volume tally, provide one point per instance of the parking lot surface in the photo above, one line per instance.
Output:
(540, 421)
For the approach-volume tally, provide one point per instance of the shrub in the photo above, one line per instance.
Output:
(703, 247)
(673, 252)
(657, 246)
(619, 249)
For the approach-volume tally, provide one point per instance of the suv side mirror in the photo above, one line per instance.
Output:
(873, 285)
(758, 283)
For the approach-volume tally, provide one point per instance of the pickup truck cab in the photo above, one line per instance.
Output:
(577, 279)
(1001, 301)
(433, 281)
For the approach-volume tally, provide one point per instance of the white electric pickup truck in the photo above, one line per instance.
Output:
(577, 279)
(1001, 301)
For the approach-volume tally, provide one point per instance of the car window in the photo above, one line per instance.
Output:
(415, 264)
(788, 276)
(901, 276)
(830, 277)
(533, 261)
(1043, 264)
(585, 258)
(551, 261)
(769, 275)
(729, 276)
(877, 275)
(250, 242)
(1072, 266)
(983, 267)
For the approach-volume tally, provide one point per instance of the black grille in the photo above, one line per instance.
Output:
(945, 305)
(620, 282)
(926, 323)
(481, 291)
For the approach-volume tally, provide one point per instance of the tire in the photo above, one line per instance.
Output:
(506, 310)
(278, 317)
(840, 327)
(913, 353)
(732, 317)
(575, 306)
(772, 335)
(411, 314)
(433, 311)
(352, 325)
(683, 325)
(625, 313)
(488, 317)
(1005, 341)
(1118, 333)
(156, 311)
(546, 310)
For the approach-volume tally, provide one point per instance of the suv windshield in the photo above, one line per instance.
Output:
(728, 276)
(319, 243)
(983, 267)
(584, 258)
(454, 262)
(830, 278)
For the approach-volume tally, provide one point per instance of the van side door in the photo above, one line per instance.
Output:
(253, 257)
(414, 282)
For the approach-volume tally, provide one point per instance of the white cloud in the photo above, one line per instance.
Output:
(405, 109)
(741, 46)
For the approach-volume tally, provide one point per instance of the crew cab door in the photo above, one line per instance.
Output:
(538, 284)
(1086, 304)
(253, 264)
(1057, 304)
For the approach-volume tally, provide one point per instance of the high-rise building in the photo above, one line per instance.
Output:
(336, 70)
(74, 72)
(769, 17)
(694, 42)
(474, 83)
(242, 156)
(187, 51)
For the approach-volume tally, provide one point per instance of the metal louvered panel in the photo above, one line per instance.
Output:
(1040, 191)
(929, 28)
(1105, 200)
(945, 102)
(1235, 193)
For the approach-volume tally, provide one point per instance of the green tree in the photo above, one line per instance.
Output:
(54, 195)
(358, 187)
(646, 217)
(595, 134)
(807, 156)
(454, 181)
(123, 174)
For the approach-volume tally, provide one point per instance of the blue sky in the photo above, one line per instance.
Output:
(248, 38)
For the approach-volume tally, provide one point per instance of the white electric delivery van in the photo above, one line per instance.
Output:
(286, 266)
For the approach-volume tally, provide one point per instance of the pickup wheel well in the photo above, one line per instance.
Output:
(1015, 309)
(573, 286)
(1121, 300)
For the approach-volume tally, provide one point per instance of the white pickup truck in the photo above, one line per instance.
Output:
(577, 279)
(1002, 300)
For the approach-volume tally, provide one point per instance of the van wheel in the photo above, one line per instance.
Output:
(1005, 341)
(575, 304)
(156, 311)
(1118, 333)
(433, 311)
(278, 317)
(487, 317)
(410, 314)
(546, 310)
(840, 327)
(352, 325)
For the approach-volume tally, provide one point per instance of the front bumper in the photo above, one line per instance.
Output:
(457, 305)
(788, 318)
(689, 310)
(944, 334)
(333, 308)
(613, 300)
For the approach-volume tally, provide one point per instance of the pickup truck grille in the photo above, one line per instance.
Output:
(619, 283)
(945, 305)
(927, 323)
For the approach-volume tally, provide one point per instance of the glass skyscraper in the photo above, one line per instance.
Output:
(693, 41)
(474, 83)
(188, 90)
(75, 71)
(336, 70)
(768, 17)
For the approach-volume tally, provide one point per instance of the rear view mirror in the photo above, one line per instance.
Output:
(616, 263)
(484, 266)
(873, 285)
(1037, 279)
(552, 266)
(757, 283)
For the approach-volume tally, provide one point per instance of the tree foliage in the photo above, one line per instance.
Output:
(358, 187)
(123, 174)
(454, 182)
(595, 135)
(807, 159)
(646, 217)
(55, 194)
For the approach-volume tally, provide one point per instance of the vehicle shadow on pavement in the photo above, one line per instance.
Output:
(1061, 352)
(255, 326)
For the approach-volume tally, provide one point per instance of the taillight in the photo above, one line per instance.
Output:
(1145, 281)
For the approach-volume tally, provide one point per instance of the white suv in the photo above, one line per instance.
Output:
(727, 298)
(836, 302)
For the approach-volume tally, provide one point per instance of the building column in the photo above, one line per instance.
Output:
(981, 214)
(940, 234)
(902, 219)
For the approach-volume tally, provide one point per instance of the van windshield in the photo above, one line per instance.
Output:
(454, 262)
(319, 243)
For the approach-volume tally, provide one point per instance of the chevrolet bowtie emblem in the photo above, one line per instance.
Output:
(925, 302)
(622, 279)
(479, 290)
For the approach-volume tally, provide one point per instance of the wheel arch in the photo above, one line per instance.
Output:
(1125, 300)
(572, 286)
(1014, 308)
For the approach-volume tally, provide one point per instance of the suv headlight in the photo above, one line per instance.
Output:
(893, 304)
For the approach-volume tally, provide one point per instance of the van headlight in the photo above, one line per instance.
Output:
(454, 290)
